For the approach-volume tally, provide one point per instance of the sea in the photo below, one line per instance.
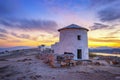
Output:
(105, 54)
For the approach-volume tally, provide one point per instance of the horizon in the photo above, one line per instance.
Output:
(50, 46)
(34, 22)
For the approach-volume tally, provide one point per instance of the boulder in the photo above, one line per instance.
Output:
(100, 62)
(63, 64)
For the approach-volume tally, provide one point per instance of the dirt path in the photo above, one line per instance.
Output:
(30, 68)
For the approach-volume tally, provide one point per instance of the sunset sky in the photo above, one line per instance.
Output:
(35, 22)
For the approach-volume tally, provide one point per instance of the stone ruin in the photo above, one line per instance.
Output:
(55, 60)
(66, 60)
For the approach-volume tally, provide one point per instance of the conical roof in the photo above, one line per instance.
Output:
(73, 26)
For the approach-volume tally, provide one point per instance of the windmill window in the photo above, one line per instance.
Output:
(79, 37)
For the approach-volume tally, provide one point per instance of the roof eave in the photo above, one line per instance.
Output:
(73, 28)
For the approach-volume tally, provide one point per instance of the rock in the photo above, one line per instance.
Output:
(84, 63)
(96, 58)
(100, 62)
(57, 65)
(117, 77)
(111, 63)
(103, 62)
(63, 64)
(33, 77)
(78, 62)
(115, 62)
(53, 77)
(38, 76)
(97, 63)
(73, 62)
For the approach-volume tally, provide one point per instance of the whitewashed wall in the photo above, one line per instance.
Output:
(70, 43)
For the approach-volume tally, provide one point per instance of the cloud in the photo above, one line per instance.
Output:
(109, 38)
(24, 36)
(114, 32)
(29, 24)
(100, 26)
(105, 40)
(100, 3)
(3, 36)
(3, 31)
(14, 40)
(111, 12)
(13, 13)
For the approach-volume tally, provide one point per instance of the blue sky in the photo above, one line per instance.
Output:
(35, 22)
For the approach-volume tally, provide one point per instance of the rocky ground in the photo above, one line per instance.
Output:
(31, 68)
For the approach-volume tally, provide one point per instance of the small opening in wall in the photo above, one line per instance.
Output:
(79, 37)
(79, 54)
(52, 51)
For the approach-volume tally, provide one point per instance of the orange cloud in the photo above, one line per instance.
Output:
(111, 42)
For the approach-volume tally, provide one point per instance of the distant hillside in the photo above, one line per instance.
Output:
(14, 48)
(105, 50)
